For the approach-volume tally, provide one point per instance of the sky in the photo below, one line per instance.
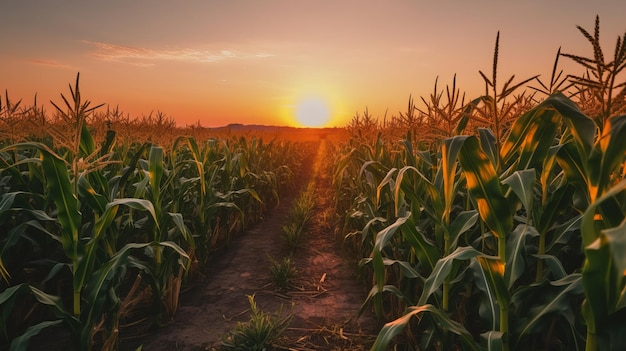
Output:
(284, 62)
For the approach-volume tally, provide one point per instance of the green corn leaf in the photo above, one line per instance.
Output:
(155, 171)
(177, 218)
(485, 188)
(392, 329)
(608, 155)
(494, 271)
(108, 143)
(575, 169)
(59, 187)
(463, 222)
(387, 181)
(580, 126)
(616, 239)
(488, 308)
(14, 235)
(87, 144)
(603, 275)
(530, 137)
(598, 280)
(250, 192)
(516, 252)
(88, 194)
(420, 190)
(9, 293)
(376, 291)
(110, 212)
(563, 232)
(427, 253)
(449, 154)
(533, 133)
(522, 183)
(443, 268)
(405, 267)
(118, 189)
(380, 277)
(176, 248)
(590, 225)
(87, 265)
(538, 139)
(21, 342)
(7, 200)
(554, 266)
(558, 202)
(489, 145)
(383, 237)
(559, 300)
(493, 340)
(367, 229)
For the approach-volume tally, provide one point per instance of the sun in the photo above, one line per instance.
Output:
(312, 112)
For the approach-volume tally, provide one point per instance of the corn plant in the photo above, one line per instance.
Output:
(526, 222)
(82, 238)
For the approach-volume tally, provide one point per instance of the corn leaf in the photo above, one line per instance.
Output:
(559, 299)
(494, 272)
(443, 268)
(485, 188)
(522, 183)
(21, 342)
(488, 309)
(392, 329)
(427, 253)
(608, 156)
(516, 252)
(463, 222)
(489, 145)
(493, 340)
(449, 154)
(60, 189)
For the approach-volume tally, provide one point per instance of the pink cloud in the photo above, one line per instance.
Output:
(50, 63)
(149, 57)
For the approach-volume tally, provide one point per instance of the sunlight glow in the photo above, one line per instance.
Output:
(312, 112)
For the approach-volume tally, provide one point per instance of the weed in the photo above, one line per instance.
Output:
(282, 273)
(261, 332)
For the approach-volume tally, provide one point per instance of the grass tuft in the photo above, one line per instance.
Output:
(282, 273)
(260, 333)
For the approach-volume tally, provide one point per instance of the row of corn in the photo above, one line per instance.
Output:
(498, 241)
(97, 236)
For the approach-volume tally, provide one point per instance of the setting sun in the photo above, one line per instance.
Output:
(312, 112)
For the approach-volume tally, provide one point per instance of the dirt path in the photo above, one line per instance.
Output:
(324, 302)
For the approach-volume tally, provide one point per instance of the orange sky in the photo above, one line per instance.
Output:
(254, 62)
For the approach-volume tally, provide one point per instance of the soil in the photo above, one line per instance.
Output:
(324, 300)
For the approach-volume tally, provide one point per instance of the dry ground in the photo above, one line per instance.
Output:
(324, 301)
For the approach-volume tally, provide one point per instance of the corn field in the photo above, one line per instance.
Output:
(98, 235)
(498, 223)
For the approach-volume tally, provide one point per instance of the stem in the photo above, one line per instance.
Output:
(77, 303)
(504, 309)
(502, 250)
(541, 251)
(504, 326)
(446, 282)
(591, 343)
(446, 295)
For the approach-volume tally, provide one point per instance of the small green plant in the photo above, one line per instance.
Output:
(261, 332)
(292, 232)
(299, 217)
(282, 273)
